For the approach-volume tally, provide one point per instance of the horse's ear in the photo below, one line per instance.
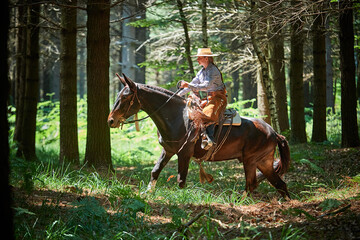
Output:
(122, 80)
(130, 83)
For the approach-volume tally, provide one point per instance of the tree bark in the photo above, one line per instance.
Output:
(7, 226)
(349, 126)
(20, 72)
(277, 73)
(28, 126)
(249, 87)
(297, 116)
(204, 24)
(330, 98)
(128, 38)
(82, 74)
(262, 102)
(69, 151)
(141, 36)
(98, 152)
(268, 88)
(187, 38)
(319, 68)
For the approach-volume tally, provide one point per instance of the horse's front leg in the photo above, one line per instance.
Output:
(183, 168)
(183, 164)
(161, 163)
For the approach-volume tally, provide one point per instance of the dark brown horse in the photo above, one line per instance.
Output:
(253, 142)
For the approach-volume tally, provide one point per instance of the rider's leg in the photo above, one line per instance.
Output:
(209, 139)
(213, 110)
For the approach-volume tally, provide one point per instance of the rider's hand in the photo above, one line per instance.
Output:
(184, 84)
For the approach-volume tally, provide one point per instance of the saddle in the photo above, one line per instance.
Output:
(231, 113)
(229, 118)
(194, 113)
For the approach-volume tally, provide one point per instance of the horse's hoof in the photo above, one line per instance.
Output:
(150, 187)
(182, 185)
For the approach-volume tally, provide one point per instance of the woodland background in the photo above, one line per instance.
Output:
(294, 63)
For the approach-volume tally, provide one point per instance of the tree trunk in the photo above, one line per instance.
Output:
(319, 68)
(349, 126)
(298, 133)
(69, 151)
(187, 38)
(234, 87)
(204, 24)
(330, 99)
(20, 72)
(277, 73)
(249, 87)
(262, 102)
(128, 38)
(28, 129)
(141, 36)
(82, 75)
(7, 226)
(357, 53)
(98, 152)
(268, 88)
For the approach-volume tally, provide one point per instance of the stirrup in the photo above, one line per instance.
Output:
(207, 143)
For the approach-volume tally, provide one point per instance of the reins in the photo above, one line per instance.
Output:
(149, 115)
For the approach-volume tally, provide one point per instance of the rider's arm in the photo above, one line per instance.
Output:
(185, 85)
(183, 91)
(209, 81)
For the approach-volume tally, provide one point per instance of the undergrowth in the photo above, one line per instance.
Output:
(60, 201)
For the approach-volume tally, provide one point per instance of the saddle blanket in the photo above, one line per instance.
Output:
(236, 119)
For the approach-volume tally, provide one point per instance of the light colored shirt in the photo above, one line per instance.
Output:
(207, 79)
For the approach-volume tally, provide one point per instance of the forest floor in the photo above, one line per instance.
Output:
(324, 183)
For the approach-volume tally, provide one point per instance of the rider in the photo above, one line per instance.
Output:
(208, 80)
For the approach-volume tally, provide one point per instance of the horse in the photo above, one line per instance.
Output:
(253, 143)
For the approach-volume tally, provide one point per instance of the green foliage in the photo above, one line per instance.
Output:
(90, 217)
(177, 215)
(19, 211)
(299, 212)
(246, 112)
(48, 122)
(59, 230)
(312, 165)
(24, 174)
(160, 23)
(329, 204)
(248, 231)
(122, 213)
(356, 179)
(290, 232)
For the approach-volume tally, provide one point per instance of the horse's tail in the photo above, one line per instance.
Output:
(284, 150)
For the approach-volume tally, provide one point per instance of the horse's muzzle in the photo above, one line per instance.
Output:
(115, 123)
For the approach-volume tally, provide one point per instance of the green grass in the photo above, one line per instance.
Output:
(60, 201)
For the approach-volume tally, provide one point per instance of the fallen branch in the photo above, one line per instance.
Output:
(188, 224)
(335, 212)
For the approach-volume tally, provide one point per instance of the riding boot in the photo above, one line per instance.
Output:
(208, 140)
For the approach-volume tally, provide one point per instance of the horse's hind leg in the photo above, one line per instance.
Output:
(266, 167)
(250, 176)
(161, 163)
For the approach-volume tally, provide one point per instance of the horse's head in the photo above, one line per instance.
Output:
(126, 104)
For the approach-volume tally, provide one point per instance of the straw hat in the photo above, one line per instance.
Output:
(205, 52)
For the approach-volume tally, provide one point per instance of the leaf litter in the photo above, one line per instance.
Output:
(323, 216)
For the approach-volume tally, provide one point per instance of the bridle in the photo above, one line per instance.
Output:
(132, 103)
(135, 95)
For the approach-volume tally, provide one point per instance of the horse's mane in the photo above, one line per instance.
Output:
(162, 91)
